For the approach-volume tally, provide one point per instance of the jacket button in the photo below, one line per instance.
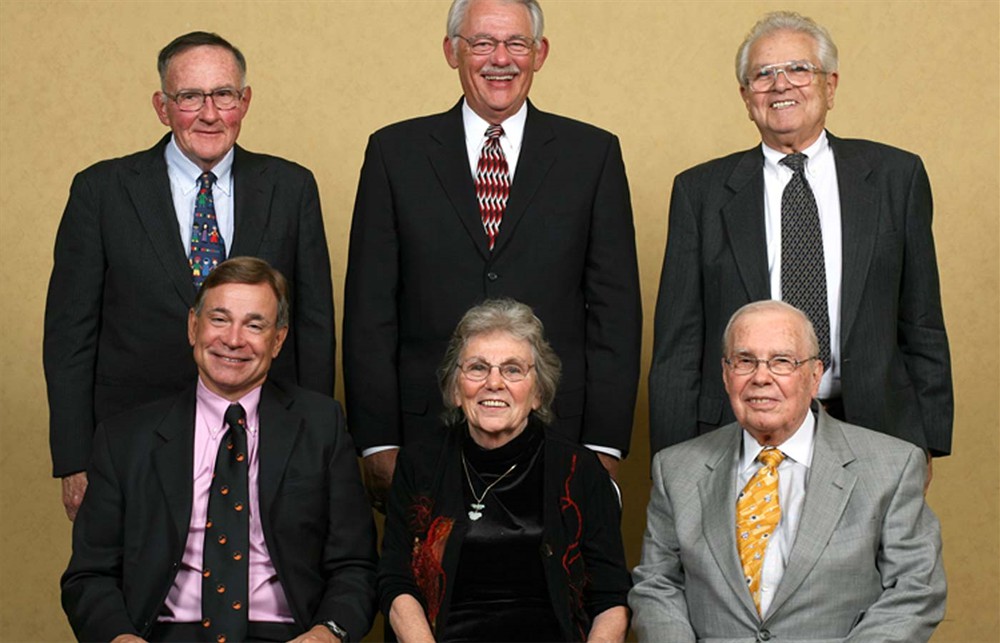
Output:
(547, 550)
(492, 276)
(764, 635)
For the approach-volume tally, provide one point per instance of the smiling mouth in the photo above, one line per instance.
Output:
(782, 104)
(232, 360)
(494, 404)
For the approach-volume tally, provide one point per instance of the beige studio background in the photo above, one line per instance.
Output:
(75, 86)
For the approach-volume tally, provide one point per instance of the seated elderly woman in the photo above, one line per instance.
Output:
(497, 530)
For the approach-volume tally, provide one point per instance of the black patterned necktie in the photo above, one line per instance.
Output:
(492, 183)
(208, 248)
(803, 269)
(225, 570)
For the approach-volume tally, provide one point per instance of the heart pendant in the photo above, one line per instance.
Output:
(475, 515)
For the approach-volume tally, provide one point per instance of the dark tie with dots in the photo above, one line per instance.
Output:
(492, 183)
(225, 573)
(208, 249)
(803, 270)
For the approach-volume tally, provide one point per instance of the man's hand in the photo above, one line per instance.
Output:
(610, 463)
(318, 634)
(74, 486)
(378, 468)
(121, 638)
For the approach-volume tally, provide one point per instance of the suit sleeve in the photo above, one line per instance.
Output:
(92, 585)
(659, 607)
(678, 334)
(72, 325)
(371, 322)
(922, 337)
(614, 311)
(312, 318)
(909, 562)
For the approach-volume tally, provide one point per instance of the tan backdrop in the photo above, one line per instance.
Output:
(76, 84)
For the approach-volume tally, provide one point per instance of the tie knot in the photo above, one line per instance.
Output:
(796, 162)
(493, 132)
(771, 457)
(206, 180)
(236, 418)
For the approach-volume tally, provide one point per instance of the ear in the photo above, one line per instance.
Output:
(279, 341)
(817, 375)
(192, 327)
(160, 105)
(247, 95)
(450, 53)
(831, 87)
(541, 54)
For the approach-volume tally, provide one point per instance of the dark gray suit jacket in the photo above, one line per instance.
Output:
(895, 365)
(130, 534)
(116, 314)
(419, 259)
(865, 565)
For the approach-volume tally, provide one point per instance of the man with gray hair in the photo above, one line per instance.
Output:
(787, 524)
(493, 198)
(141, 233)
(840, 228)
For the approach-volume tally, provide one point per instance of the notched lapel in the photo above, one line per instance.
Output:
(859, 215)
(279, 431)
(148, 187)
(253, 186)
(743, 216)
(173, 461)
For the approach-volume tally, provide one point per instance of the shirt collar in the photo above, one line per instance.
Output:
(513, 127)
(815, 152)
(799, 447)
(213, 408)
(184, 172)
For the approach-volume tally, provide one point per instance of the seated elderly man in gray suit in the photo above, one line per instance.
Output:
(787, 525)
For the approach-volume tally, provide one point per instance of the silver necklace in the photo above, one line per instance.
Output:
(476, 507)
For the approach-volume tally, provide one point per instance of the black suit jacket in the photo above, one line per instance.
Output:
(895, 365)
(130, 534)
(419, 259)
(116, 315)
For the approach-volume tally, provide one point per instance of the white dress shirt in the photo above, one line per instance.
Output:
(183, 174)
(793, 473)
(821, 173)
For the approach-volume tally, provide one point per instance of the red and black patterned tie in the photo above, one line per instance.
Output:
(803, 269)
(225, 570)
(492, 183)
(208, 249)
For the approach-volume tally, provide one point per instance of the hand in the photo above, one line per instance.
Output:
(318, 634)
(610, 463)
(74, 486)
(122, 638)
(378, 468)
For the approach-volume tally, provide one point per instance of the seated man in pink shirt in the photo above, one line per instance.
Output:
(233, 511)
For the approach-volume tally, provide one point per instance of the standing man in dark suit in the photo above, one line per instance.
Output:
(744, 228)
(233, 510)
(452, 210)
(139, 234)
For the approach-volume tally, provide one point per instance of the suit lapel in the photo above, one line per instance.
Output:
(173, 460)
(450, 161)
(536, 157)
(252, 188)
(859, 224)
(828, 488)
(717, 491)
(148, 187)
(743, 217)
(279, 430)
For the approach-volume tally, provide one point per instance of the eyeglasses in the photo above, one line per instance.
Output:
(192, 100)
(797, 72)
(476, 370)
(745, 365)
(515, 45)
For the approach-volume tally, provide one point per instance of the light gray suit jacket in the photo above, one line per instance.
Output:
(865, 564)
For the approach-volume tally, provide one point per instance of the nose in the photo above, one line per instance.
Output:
(209, 112)
(761, 374)
(494, 380)
(233, 336)
(500, 56)
(781, 82)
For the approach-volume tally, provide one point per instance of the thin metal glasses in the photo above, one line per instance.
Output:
(745, 365)
(483, 45)
(797, 72)
(192, 100)
(477, 370)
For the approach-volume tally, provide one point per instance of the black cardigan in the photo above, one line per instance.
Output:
(582, 551)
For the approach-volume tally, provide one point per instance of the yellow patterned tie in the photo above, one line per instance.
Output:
(757, 514)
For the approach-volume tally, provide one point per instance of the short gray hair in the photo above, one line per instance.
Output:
(459, 9)
(771, 305)
(826, 50)
(180, 44)
(501, 316)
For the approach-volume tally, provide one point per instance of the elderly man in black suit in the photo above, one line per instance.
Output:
(840, 228)
(233, 510)
(492, 198)
(140, 233)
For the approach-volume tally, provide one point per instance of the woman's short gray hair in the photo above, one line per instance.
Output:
(501, 316)
(826, 50)
(459, 9)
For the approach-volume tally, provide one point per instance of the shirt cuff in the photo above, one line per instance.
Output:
(373, 450)
(614, 453)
